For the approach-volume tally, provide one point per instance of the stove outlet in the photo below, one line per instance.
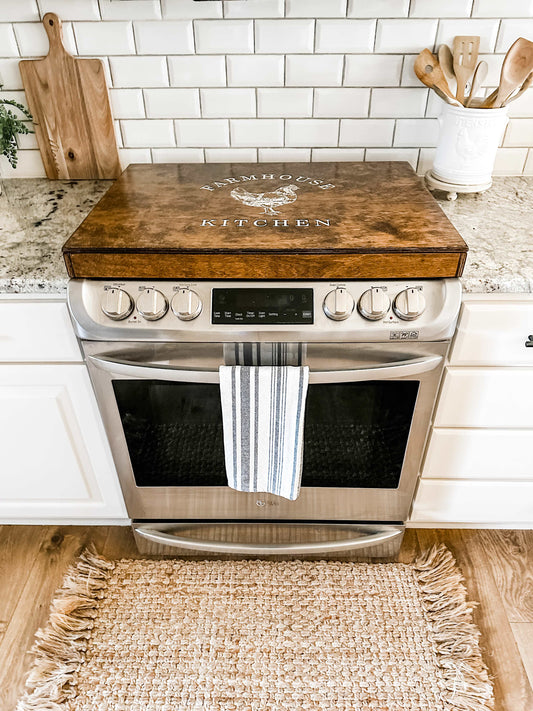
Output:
(338, 304)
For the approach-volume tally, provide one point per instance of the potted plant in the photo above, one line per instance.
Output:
(10, 127)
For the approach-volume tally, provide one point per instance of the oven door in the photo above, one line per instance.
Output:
(367, 416)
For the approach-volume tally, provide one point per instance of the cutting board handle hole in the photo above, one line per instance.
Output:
(51, 23)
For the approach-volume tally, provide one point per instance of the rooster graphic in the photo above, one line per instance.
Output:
(268, 201)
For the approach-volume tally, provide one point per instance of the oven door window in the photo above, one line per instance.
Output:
(355, 433)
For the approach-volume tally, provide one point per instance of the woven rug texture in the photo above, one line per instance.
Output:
(177, 635)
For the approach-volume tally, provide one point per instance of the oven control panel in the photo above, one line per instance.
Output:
(249, 310)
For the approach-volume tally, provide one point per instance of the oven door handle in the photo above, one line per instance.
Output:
(131, 369)
(379, 534)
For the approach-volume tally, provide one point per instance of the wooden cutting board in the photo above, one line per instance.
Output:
(266, 221)
(69, 101)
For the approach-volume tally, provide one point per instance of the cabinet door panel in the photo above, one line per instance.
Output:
(443, 501)
(479, 454)
(486, 397)
(55, 460)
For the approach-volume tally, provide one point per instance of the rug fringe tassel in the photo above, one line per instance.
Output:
(456, 638)
(60, 647)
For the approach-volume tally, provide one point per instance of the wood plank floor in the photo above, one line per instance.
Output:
(497, 565)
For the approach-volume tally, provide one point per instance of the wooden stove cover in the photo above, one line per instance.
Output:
(266, 221)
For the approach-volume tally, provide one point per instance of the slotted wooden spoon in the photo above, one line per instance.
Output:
(428, 70)
(516, 68)
(465, 54)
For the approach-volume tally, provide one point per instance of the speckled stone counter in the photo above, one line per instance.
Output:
(37, 216)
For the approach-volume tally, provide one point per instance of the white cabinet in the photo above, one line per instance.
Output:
(478, 466)
(55, 462)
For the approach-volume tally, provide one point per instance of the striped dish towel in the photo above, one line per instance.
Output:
(263, 417)
(264, 353)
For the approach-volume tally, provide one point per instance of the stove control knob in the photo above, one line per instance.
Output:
(186, 304)
(409, 304)
(116, 304)
(373, 304)
(152, 304)
(338, 304)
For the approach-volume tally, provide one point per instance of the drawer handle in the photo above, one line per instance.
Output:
(529, 342)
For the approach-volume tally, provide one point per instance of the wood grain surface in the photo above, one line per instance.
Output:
(333, 219)
(69, 101)
(35, 558)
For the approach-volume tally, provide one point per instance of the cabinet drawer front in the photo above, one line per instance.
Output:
(479, 454)
(493, 333)
(36, 331)
(486, 397)
(443, 501)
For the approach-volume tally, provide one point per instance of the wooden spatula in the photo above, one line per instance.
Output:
(428, 70)
(69, 101)
(465, 54)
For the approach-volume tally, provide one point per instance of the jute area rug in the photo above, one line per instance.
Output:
(173, 635)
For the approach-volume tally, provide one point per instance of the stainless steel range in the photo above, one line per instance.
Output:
(375, 351)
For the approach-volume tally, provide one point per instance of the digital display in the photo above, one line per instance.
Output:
(268, 306)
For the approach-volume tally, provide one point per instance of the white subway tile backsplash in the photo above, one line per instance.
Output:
(414, 133)
(486, 29)
(231, 155)
(189, 9)
(263, 133)
(314, 70)
(405, 35)
(378, 8)
(341, 103)
(284, 36)
(226, 103)
(510, 161)
(511, 30)
(522, 107)
(94, 38)
(10, 74)
(27, 141)
(134, 155)
(172, 103)
(495, 8)
(398, 103)
(284, 155)
(127, 103)
(325, 155)
(373, 70)
(425, 160)
(316, 8)
(224, 36)
(170, 37)
(257, 8)
(138, 71)
(409, 77)
(312, 132)
(131, 10)
(8, 43)
(255, 70)
(431, 8)
(494, 62)
(33, 41)
(366, 132)
(333, 36)
(434, 105)
(199, 133)
(284, 103)
(519, 132)
(147, 133)
(19, 11)
(178, 155)
(30, 165)
(528, 169)
(71, 9)
(197, 71)
(409, 155)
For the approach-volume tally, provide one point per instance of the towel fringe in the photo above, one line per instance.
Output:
(60, 647)
(467, 686)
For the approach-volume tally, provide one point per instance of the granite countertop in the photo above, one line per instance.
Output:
(38, 215)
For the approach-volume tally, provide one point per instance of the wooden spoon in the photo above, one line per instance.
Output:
(428, 70)
(477, 80)
(446, 62)
(465, 54)
(516, 67)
